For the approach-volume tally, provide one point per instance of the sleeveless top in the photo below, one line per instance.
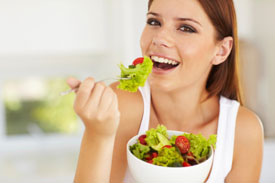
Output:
(222, 161)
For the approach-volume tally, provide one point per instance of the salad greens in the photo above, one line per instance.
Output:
(138, 74)
(139, 150)
(180, 150)
(199, 145)
(163, 141)
(168, 157)
(152, 135)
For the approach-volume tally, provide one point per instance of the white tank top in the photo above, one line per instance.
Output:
(223, 156)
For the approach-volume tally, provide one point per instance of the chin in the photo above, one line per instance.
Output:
(160, 84)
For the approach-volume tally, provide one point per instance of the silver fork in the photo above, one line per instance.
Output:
(76, 88)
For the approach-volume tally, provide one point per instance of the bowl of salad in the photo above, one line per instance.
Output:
(163, 155)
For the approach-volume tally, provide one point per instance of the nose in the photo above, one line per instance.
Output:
(163, 39)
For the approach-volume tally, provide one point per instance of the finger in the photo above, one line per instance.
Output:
(106, 100)
(113, 109)
(94, 99)
(84, 92)
(73, 82)
(114, 105)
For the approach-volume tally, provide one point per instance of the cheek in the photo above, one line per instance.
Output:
(145, 41)
(197, 51)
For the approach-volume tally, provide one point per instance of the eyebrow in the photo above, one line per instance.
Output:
(179, 19)
(188, 19)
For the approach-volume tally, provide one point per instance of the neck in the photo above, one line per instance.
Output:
(183, 109)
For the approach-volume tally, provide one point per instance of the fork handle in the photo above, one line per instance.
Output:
(69, 91)
(76, 88)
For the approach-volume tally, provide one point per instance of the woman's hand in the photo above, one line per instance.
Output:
(97, 105)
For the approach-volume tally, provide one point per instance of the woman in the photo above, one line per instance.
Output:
(200, 94)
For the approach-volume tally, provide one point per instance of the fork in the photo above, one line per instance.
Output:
(106, 79)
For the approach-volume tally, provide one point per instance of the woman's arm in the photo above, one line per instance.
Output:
(95, 158)
(97, 106)
(248, 149)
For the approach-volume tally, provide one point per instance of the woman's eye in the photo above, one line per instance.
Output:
(153, 22)
(187, 28)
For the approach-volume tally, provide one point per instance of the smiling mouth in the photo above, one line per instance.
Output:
(164, 64)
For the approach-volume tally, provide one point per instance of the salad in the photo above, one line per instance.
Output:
(178, 151)
(138, 72)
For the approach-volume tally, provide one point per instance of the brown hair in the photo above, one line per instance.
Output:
(223, 79)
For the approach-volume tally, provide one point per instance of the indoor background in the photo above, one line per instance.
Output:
(42, 42)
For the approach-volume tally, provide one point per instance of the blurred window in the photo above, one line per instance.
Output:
(34, 106)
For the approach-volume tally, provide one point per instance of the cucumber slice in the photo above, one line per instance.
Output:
(163, 141)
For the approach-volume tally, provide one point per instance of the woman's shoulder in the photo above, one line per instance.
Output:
(130, 106)
(248, 147)
(127, 99)
(247, 121)
(248, 124)
(249, 137)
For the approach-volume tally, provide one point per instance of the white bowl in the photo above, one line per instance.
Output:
(144, 172)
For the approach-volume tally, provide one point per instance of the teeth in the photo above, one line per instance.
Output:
(163, 60)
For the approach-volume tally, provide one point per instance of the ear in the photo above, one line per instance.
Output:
(223, 51)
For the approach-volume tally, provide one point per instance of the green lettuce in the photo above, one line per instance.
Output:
(157, 137)
(212, 140)
(168, 157)
(138, 75)
(199, 145)
(173, 139)
(139, 150)
(153, 136)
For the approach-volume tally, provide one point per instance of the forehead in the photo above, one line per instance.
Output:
(180, 8)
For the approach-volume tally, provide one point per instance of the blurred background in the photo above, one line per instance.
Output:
(43, 42)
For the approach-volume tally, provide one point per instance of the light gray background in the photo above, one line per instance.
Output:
(46, 38)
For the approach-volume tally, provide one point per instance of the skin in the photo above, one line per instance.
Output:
(108, 112)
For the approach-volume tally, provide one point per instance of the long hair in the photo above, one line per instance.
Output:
(223, 79)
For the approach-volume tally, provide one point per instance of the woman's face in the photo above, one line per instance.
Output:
(179, 32)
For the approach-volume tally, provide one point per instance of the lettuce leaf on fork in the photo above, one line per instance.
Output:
(138, 74)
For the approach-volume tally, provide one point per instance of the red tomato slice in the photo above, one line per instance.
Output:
(142, 139)
(183, 144)
(185, 164)
(150, 161)
(138, 61)
(154, 155)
